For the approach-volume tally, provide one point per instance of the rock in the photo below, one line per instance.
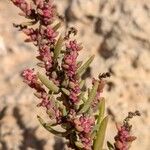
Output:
(3, 49)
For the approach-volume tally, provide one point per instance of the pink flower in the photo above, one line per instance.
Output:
(86, 141)
(74, 92)
(18, 2)
(45, 56)
(84, 124)
(45, 102)
(123, 138)
(72, 45)
(87, 123)
(29, 77)
(50, 34)
(47, 11)
(73, 97)
(70, 64)
(32, 34)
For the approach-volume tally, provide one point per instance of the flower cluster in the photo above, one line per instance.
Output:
(31, 79)
(124, 138)
(84, 124)
(100, 88)
(46, 11)
(86, 140)
(70, 68)
(59, 87)
(32, 34)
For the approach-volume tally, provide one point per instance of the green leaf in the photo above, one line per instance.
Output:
(100, 116)
(110, 146)
(81, 96)
(50, 129)
(65, 91)
(101, 111)
(81, 84)
(79, 144)
(83, 68)
(98, 142)
(49, 84)
(92, 95)
(64, 111)
(56, 27)
(58, 47)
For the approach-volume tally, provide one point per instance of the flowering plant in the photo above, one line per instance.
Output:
(80, 114)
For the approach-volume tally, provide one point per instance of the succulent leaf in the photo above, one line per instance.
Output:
(100, 116)
(81, 84)
(79, 145)
(58, 47)
(98, 143)
(79, 64)
(57, 26)
(65, 91)
(83, 68)
(48, 128)
(101, 110)
(49, 84)
(92, 95)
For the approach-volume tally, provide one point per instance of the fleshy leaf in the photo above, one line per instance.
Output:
(58, 47)
(79, 145)
(100, 116)
(81, 96)
(50, 129)
(65, 91)
(83, 68)
(98, 143)
(56, 27)
(81, 84)
(92, 95)
(49, 84)
(101, 111)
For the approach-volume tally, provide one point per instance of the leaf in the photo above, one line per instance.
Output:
(98, 143)
(56, 27)
(81, 96)
(79, 64)
(49, 84)
(50, 129)
(38, 95)
(64, 111)
(100, 116)
(79, 145)
(65, 91)
(110, 146)
(101, 111)
(83, 68)
(81, 84)
(58, 47)
(92, 95)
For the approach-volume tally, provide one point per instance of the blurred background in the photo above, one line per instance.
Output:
(117, 32)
